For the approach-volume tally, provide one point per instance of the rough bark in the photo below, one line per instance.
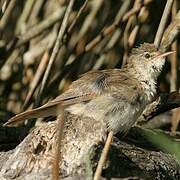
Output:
(32, 158)
(82, 145)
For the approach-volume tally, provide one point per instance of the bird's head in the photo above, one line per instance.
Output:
(148, 60)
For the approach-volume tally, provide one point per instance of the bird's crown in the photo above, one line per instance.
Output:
(145, 47)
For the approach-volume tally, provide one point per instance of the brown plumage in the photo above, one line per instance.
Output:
(117, 96)
(99, 101)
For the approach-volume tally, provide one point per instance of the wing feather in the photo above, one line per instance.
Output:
(89, 86)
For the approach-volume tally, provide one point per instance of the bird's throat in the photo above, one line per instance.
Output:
(147, 79)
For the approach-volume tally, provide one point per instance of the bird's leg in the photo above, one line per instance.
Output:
(103, 157)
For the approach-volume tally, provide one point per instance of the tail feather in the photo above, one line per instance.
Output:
(34, 113)
(48, 109)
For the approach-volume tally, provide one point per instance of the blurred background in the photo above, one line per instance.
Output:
(98, 34)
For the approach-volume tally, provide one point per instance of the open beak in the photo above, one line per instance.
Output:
(165, 54)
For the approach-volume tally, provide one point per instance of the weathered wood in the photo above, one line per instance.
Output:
(32, 158)
(34, 155)
(81, 148)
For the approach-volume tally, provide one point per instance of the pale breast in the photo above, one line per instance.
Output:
(149, 88)
(118, 114)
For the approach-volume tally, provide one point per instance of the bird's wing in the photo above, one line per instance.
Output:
(87, 87)
(94, 83)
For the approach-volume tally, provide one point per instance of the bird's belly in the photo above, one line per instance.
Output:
(118, 116)
(122, 121)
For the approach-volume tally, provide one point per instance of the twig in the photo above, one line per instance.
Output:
(56, 46)
(174, 55)
(141, 18)
(4, 5)
(175, 113)
(163, 103)
(175, 119)
(104, 33)
(36, 79)
(77, 16)
(92, 44)
(108, 30)
(162, 24)
(33, 19)
(135, 9)
(20, 27)
(6, 69)
(133, 35)
(58, 140)
(116, 35)
(90, 18)
(96, 40)
(6, 15)
(103, 156)
(171, 33)
(137, 5)
(8, 51)
(60, 125)
(37, 29)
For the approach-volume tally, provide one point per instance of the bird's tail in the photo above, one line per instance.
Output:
(49, 109)
(34, 113)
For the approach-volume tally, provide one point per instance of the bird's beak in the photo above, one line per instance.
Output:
(165, 54)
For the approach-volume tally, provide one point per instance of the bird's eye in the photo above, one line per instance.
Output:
(147, 55)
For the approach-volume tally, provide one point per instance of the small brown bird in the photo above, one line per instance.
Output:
(100, 100)
(116, 96)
